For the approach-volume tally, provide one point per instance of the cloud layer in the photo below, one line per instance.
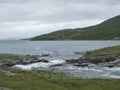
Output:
(27, 18)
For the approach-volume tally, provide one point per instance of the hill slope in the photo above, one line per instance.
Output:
(108, 30)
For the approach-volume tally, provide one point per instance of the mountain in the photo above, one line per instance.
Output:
(107, 30)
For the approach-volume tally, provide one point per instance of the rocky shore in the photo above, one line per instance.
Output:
(9, 60)
(106, 57)
(103, 61)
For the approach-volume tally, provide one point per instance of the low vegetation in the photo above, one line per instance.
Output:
(7, 58)
(108, 51)
(47, 80)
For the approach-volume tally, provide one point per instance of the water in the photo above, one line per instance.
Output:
(60, 51)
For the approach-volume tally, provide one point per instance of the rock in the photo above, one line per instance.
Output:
(105, 61)
(72, 61)
(107, 65)
(45, 55)
(82, 65)
(9, 65)
(110, 58)
(102, 59)
(44, 60)
(56, 65)
(40, 60)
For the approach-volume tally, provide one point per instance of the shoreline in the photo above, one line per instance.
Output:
(84, 64)
(57, 80)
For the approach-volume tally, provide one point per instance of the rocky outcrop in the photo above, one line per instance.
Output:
(22, 62)
(104, 61)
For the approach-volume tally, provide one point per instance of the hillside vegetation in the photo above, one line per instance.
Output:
(108, 30)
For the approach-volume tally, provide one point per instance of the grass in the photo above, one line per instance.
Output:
(108, 51)
(8, 58)
(47, 80)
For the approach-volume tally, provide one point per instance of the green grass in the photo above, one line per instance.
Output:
(8, 58)
(47, 80)
(108, 51)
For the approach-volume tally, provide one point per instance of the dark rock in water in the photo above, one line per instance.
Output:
(82, 65)
(102, 59)
(35, 61)
(44, 60)
(56, 65)
(110, 65)
(40, 60)
(110, 58)
(25, 62)
(9, 65)
(72, 61)
(105, 61)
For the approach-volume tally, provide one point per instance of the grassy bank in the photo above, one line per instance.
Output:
(9, 58)
(47, 80)
(108, 51)
(4, 56)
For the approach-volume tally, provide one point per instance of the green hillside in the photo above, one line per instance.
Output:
(107, 30)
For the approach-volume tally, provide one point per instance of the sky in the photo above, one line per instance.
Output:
(21, 19)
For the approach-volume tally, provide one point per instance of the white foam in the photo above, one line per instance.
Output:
(31, 66)
(89, 72)
(57, 61)
(40, 65)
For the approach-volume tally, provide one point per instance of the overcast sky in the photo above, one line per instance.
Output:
(28, 18)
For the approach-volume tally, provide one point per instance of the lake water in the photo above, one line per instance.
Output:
(60, 51)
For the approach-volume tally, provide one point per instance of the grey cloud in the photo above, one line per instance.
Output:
(59, 11)
(22, 13)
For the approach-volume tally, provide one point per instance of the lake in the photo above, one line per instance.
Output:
(60, 51)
